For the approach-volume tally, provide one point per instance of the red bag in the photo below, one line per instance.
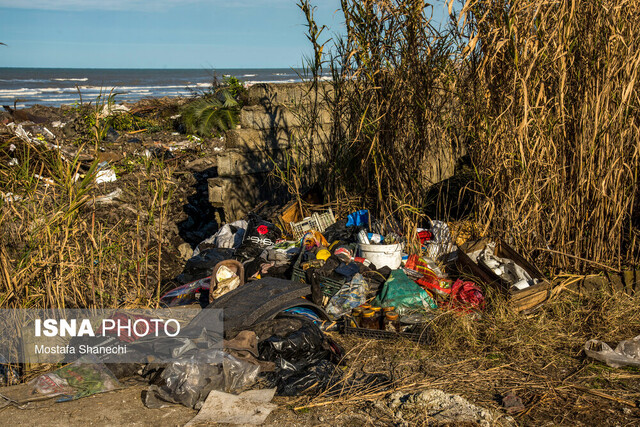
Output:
(466, 296)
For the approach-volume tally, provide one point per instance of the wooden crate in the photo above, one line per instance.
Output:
(528, 299)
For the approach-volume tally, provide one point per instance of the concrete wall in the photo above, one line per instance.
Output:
(268, 130)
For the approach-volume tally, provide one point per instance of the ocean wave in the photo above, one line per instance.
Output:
(84, 79)
(24, 80)
(19, 92)
(253, 82)
(56, 90)
(57, 99)
(105, 90)
(249, 75)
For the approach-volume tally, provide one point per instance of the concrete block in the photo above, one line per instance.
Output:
(238, 195)
(284, 93)
(276, 117)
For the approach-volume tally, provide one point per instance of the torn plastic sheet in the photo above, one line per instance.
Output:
(84, 377)
(249, 407)
(188, 381)
(105, 174)
(229, 236)
(627, 353)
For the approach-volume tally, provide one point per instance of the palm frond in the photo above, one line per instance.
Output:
(211, 114)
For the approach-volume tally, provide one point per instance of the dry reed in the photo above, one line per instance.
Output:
(58, 246)
(558, 128)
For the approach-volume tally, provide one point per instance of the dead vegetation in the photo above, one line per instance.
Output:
(68, 241)
(557, 147)
(537, 356)
(57, 248)
(542, 95)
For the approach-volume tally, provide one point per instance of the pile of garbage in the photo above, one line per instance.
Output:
(280, 295)
(351, 266)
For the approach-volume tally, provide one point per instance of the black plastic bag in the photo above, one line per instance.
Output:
(313, 378)
(300, 348)
(340, 231)
(304, 357)
(260, 232)
(201, 265)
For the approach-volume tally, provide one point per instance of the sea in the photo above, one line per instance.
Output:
(56, 86)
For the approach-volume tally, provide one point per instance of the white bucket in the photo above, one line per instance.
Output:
(381, 255)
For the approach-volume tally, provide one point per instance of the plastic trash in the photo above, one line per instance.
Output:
(340, 232)
(359, 218)
(313, 378)
(249, 407)
(201, 265)
(109, 198)
(466, 296)
(10, 197)
(229, 236)
(505, 268)
(191, 293)
(84, 377)
(297, 349)
(189, 380)
(627, 352)
(404, 294)
(303, 357)
(105, 173)
(351, 295)
(261, 232)
(326, 377)
(306, 312)
(441, 243)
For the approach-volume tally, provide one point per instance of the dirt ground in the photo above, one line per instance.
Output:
(585, 394)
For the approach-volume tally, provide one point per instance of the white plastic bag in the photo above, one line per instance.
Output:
(627, 353)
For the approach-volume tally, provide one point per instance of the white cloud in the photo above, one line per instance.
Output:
(131, 5)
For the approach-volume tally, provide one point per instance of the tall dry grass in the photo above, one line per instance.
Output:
(391, 106)
(558, 126)
(543, 95)
(58, 247)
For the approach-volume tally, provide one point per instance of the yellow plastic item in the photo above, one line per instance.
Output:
(323, 254)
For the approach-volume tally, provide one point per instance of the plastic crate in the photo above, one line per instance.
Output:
(329, 286)
(317, 222)
(422, 337)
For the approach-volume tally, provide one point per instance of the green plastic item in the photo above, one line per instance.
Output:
(404, 294)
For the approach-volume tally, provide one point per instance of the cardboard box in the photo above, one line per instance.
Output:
(528, 299)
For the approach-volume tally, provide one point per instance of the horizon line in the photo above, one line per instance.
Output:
(152, 68)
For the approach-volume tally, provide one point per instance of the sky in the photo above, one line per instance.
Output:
(157, 33)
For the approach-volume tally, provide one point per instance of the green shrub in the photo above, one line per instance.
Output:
(211, 114)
